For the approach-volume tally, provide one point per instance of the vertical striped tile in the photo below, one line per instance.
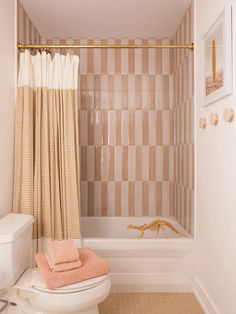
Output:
(138, 198)
(90, 58)
(90, 200)
(90, 126)
(97, 198)
(118, 163)
(159, 128)
(124, 163)
(152, 127)
(138, 163)
(118, 199)
(111, 127)
(145, 128)
(104, 163)
(138, 128)
(118, 128)
(90, 163)
(131, 58)
(117, 58)
(104, 127)
(84, 163)
(131, 127)
(152, 199)
(103, 58)
(138, 91)
(97, 127)
(183, 126)
(145, 163)
(104, 199)
(83, 128)
(131, 197)
(97, 163)
(110, 199)
(97, 57)
(165, 199)
(125, 127)
(83, 57)
(145, 198)
(131, 92)
(158, 198)
(158, 58)
(159, 163)
(138, 57)
(84, 199)
(124, 57)
(124, 95)
(152, 163)
(124, 198)
(111, 94)
(111, 163)
(145, 57)
(131, 163)
(152, 57)
(111, 57)
(165, 163)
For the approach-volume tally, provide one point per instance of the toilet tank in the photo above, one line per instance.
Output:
(15, 247)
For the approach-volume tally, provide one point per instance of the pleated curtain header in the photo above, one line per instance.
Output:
(43, 70)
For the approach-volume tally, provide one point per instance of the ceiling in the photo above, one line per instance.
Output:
(106, 18)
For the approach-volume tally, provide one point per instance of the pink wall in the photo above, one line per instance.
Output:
(7, 103)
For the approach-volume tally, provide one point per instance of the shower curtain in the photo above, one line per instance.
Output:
(47, 172)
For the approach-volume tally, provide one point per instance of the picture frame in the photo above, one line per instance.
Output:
(217, 58)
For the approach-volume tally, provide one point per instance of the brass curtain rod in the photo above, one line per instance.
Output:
(44, 46)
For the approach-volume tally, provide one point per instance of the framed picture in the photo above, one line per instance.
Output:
(217, 46)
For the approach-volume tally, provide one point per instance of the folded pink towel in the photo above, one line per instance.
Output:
(62, 266)
(63, 251)
(92, 266)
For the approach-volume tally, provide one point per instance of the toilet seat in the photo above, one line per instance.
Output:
(38, 284)
(32, 280)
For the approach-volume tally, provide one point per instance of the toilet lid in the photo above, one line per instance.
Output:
(38, 284)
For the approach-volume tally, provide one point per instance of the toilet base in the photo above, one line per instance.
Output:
(24, 307)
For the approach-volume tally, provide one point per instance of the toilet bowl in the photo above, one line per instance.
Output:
(26, 288)
(79, 298)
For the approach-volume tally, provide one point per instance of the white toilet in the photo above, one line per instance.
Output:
(24, 285)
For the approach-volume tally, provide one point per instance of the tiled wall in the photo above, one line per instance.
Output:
(184, 125)
(26, 31)
(126, 130)
(136, 125)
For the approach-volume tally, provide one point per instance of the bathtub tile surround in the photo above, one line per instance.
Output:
(184, 125)
(136, 125)
(126, 129)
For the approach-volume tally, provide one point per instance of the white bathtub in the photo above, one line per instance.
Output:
(148, 264)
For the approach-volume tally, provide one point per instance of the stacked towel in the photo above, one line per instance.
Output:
(62, 255)
(92, 266)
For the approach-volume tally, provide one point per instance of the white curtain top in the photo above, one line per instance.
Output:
(41, 70)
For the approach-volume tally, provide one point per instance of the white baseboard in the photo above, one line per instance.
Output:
(150, 282)
(203, 298)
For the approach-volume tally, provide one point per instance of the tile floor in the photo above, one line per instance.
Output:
(150, 303)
